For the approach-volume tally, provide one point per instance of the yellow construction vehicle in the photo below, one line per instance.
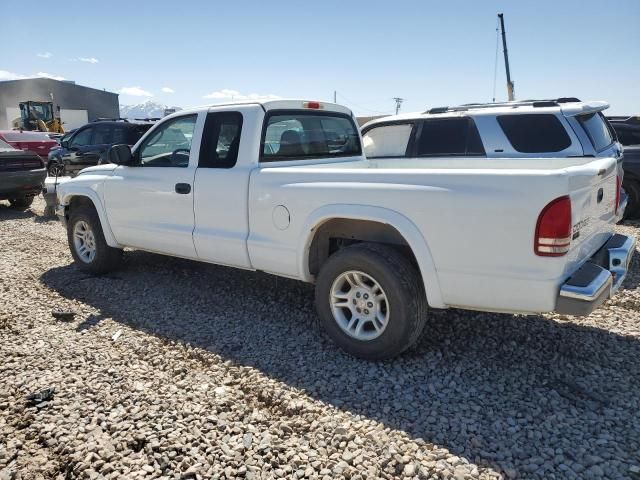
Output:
(38, 116)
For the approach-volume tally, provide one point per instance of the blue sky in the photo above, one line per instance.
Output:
(432, 53)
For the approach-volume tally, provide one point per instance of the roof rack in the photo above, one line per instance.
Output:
(107, 119)
(521, 103)
(149, 119)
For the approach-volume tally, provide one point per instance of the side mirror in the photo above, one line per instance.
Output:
(64, 143)
(120, 155)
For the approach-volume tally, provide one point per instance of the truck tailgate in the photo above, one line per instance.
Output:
(594, 194)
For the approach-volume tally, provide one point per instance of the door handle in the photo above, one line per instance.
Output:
(183, 188)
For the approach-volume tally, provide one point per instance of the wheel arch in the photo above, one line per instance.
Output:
(394, 228)
(72, 199)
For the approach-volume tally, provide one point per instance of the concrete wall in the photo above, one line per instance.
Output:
(97, 103)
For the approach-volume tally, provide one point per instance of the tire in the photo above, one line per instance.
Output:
(55, 167)
(84, 229)
(392, 325)
(21, 203)
(633, 191)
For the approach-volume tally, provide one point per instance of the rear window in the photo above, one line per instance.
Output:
(449, 136)
(597, 130)
(387, 140)
(299, 135)
(535, 133)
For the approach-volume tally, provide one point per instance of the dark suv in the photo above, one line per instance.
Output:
(628, 132)
(88, 145)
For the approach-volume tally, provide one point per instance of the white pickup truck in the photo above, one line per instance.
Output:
(453, 208)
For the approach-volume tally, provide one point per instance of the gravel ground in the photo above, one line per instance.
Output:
(222, 373)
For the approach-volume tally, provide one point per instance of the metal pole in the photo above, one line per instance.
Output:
(398, 101)
(510, 85)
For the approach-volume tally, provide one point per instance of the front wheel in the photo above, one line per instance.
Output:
(371, 301)
(55, 168)
(86, 241)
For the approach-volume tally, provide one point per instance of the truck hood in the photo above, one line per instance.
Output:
(99, 169)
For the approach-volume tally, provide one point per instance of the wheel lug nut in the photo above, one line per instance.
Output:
(366, 295)
(366, 311)
(354, 302)
(358, 310)
(369, 304)
(358, 294)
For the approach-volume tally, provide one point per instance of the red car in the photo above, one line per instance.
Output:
(36, 142)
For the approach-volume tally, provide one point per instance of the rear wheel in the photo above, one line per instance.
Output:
(86, 241)
(371, 301)
(21, 203)
(633, 191)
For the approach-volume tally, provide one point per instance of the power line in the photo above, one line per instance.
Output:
(351, 102)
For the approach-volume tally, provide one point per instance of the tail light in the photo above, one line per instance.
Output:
(618, 189)
(313, 105)
(553, 230)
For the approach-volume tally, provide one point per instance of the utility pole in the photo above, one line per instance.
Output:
(335, 97)
(510, 86)
(398, 101)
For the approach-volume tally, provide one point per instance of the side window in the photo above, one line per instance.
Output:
(535, 133)
(102, 134)
(298, 135)
(387, 140)
(119, 135)
(597, 130)
(170, 144)
(449, 137)
(82, 138)
(134, 133)
(220, 140)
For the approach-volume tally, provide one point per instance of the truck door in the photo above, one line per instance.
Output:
(150, 205)
(222, 184)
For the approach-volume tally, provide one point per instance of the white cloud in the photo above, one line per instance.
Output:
(135, 92)
(45, 55)
(48, 75)
(88, 59)
(168, 90)
(5, 75)
(228, 94)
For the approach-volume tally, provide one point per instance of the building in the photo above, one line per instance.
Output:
(363, 120)
(78, 104)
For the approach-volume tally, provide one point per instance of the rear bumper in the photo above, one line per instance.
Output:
(22, 183)
(598, 279)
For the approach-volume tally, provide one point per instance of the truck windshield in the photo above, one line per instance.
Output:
(299, 135)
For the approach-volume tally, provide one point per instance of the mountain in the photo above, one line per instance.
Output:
(148, 109)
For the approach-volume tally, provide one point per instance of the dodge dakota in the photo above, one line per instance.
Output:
(455, 207)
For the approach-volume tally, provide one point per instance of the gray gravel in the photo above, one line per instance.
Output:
(221, 373)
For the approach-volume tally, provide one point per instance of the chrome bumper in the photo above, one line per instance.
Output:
(598, 279)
